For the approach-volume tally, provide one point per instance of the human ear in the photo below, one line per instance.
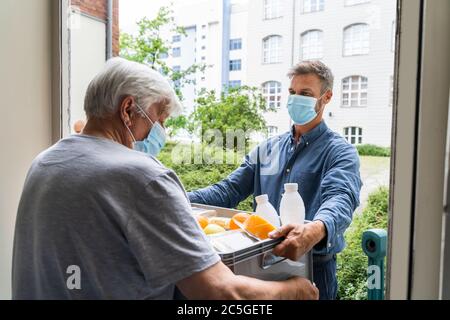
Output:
(328, 96)
(125, 110)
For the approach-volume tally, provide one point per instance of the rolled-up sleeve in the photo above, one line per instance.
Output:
(230, 191)
(340, 188)
(163, 235)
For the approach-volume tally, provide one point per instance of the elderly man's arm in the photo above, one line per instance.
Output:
(231, 190)
(340, 189)
(218, 282)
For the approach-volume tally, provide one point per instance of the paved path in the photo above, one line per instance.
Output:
(374, 173)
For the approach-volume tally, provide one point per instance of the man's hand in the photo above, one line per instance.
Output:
(300, 238)
(306, 290)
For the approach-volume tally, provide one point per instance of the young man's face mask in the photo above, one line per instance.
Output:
(302, 109)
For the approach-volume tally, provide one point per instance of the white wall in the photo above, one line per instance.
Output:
(25, 88)
(87, 57)
(257, 72)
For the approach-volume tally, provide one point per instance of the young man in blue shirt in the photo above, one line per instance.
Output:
(325, 166)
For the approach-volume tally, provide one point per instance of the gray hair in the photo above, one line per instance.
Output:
(121, 78)
(314, 67)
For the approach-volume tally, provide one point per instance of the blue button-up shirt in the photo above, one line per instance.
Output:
(325, 166)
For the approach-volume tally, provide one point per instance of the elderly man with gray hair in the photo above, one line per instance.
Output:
(101, 218)
(323, 164)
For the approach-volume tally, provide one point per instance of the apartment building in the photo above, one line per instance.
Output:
(255, 42)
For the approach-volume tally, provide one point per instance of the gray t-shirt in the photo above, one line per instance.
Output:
(97, 220)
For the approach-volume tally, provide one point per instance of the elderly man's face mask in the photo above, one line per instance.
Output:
(155, 140)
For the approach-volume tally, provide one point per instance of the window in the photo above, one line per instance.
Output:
(176, 38)
(176, 83)
(313, 5)
(203, 58)
(176, 52)
(235, 44)
(312, 45)
(234, 83)
(163, 55)
(203, 47)
(356, 39)
(272, 131)
(353, 135)
(203, 37)
(354, 91)
(235, 65)
(272, 49)
(272, 93)
(272, 9)
(355, 2)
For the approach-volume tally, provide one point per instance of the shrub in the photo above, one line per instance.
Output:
(196, 176)
(352, 262)
(373, 150)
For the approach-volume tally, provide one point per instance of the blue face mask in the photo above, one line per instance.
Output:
(155, 140)
(302, 109)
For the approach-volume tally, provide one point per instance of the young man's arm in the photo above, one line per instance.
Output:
(230, 191)
(220, 283)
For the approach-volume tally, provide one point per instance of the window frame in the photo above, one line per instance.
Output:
(235, 44)
(319, 2)
(269, 4)
(235, 62)
(302, 36)
(278, 51)
(266, 92)
(178, 49)
(176, 38)
(234, 83)
(345, 33)
(272, 133)
(353, 132)
(359, 92)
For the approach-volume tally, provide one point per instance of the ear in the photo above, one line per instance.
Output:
(327, 97)
(125, 110)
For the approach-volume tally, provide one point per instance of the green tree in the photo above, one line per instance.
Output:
(239, 108)
(151, 44)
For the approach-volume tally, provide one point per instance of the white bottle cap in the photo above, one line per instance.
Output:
(262, 198)
(290, 187)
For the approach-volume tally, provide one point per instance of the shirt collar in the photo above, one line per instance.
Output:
(313, 134)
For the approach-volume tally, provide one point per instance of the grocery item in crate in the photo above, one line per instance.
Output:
(213, 228)
(256, 226)
(265, 210)
(221, 221)
(230, 241)
(238, 217)
(292, 208)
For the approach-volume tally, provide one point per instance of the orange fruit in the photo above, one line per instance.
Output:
(240, 217)
(258, 226)
(202, 221)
